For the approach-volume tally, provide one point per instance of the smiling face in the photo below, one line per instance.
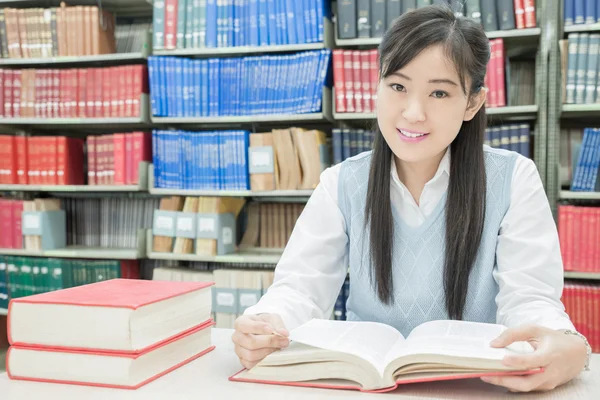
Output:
(421, 107)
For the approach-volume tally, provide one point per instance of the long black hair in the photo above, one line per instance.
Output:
(466, 44)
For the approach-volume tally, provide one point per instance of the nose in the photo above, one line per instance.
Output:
(414, 112)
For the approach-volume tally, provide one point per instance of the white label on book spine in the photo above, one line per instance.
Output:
(227, 236)
(185, 224)
(248, 299)
(31, 221)
(163, 222)
(206, 225)
(225, 299)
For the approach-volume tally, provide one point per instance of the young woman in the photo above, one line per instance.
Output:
(432, 224)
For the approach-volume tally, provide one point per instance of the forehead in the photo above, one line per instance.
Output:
(431, 63)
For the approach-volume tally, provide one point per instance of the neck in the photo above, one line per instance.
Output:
(414, 175)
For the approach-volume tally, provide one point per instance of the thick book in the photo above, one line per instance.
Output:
(118, 315)
(371, 356)
(117, 370)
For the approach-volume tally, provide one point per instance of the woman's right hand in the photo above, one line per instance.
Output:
(254, 338)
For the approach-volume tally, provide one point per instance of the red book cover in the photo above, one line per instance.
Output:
(348, 80)
(115, 89)
(584, 239)
(122, 76)
(90, 105)
(562, 233)
(338, 81)
(12, 161)
(91, 160)
(365, 73)
(576, 238)
(62, 162)
(530, 20)
(75, 149)
(170, 24)
(130, 269)
(53, 168)
(140, 86)
(110, 160)
(6, 224)
(2, 93)
(102, 354)
(32, 160)
(75, 92)
(17, 224)
(16, 89)
(100, 153)
(357, 80)
(106, 91)
(593, 229)
(65, 105)
(39, 83)
(596, 260)
(82, 76)
(500, 79)
(22, 160)
(129, 160)
(491, 72)
(129, 85)
(374, 68)
(519, 14)
(119, 158)
(3, 160)
(597, 319)
(8, 93)
(142, 151)
(589, 308)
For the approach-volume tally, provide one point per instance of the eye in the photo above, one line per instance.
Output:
(439, 94)
(397, 87)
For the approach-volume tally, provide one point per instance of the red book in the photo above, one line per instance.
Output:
(16, 90)
(106, 91)
(365, 74)
(119, 158)
(17, 224)
(130, 168)
(529, 13)
(22, 160)
(348, 80)
(91, 160)
(142, 151)
(122, 77)
(115, 316)
(170, 24)
(128, 72)
(6, 224)
(370, 357)
(140, 86)
(74, 169)
(500, 79)
(519, 14)
(62, 162)
(2, 93)
(82, 75)
(338, 81)
(357, 81)
(374, 58)
(8, 93)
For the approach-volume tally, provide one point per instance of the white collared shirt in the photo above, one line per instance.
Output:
(529, 265)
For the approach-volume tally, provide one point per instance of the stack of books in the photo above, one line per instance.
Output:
(119, 333)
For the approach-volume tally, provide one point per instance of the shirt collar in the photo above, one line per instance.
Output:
(443, 171)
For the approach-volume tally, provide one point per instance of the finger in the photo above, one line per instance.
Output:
(253, 355)
(522, 333)
(536, 359)
(276, 323)
(255, 342)
(517, 383)
(254, 326)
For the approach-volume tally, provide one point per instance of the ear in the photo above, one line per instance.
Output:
(475, 103)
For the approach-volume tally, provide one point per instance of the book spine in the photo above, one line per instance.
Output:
(530, 15)
(170, 24)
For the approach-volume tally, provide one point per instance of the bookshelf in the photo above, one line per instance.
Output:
(527, 112)
(569, 195)
(582, 28)
(591, 276)
(103, 59)
(580, 110)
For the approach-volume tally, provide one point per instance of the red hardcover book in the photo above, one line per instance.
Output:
(100, 159)
(338, 81)
(597, 319)
(62, 161)
(140, 86)
(170, 24)
(8, 93)
(371, 357)
(11, 160)
(17, 236)
(357, 81)
(128, 72)
(129, 163)
(119, 158)
(491, 72)
(106, 91)
(6, 224)
(374, 57)
(91, 160)
(596, 259)
(53, 168)
(500, 78)
(519, 14)
(110, 160)
(365, 73)
(82, 76)
(348, 81)
(33, 159)
(530, 20)
(142, 151)
(16, 90)
(114, 91)
(122, 77)
(22, 160)
(2, 94)
(65, 105)
(90, 105)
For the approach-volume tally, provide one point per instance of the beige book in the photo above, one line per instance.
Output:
(186, 245)
(265, 181)
(164, 244)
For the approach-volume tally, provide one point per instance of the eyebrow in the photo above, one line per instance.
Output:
(448, 81)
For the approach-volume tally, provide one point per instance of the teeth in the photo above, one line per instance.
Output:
(411, 135)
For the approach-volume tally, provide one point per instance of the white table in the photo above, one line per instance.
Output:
(206, 378)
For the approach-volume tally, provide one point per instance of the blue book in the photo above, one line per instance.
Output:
(578, 175)
(579, 12)
(569, 12)
(272, 22)
(230, 24)
(162, 86)
(263, 22)
(211, 23)
(213, 76)
(314, 13)
(306, 6)
(290, 22)
(188, 88)
(346, 134)
(253, 23)
(172, 85)
(298, 22)
(245, 162)
(197, 82)
(155, 155)
(597, 10)
(281, 37)
(204, 84)
(188, 159)
(324, 8)
(336, 134)
(179, 87)
(237, 23)
(590, 11)
(154, 91)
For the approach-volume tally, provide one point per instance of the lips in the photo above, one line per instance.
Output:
(411, 136)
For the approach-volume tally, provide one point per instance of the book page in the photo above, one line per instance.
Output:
(456, 338)
(370, 341)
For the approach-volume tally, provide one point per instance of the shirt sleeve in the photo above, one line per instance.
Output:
(529, 263)
(314, 264)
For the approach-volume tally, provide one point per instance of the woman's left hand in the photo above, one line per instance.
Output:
(562, 356)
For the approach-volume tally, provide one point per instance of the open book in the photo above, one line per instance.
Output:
(371, 356)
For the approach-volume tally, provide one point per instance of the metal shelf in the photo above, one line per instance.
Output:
(108, 59)
(568, 195)
(239, 257)
(521, 112)
(580, 110)
(592, 276)
(582, 28)
(240, 50)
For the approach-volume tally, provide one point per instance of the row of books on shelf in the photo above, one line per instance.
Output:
(579, 68)
(579, 234)
(284, 159)
(582, 304)
(81, 341)
(184, 24)
(587, 161)
(73, 93)
(364, 19)
(282, 84)
(578, 12)
(513, 137)
(109, 222)
(349, 142)
(56, 31)
(26, 276)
